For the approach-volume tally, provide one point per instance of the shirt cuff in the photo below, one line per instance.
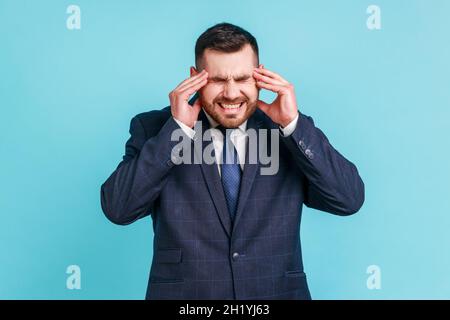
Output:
(287, 131)
(188, 131)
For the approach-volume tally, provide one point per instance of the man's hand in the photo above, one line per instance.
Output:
(283, 109)
(179, 97)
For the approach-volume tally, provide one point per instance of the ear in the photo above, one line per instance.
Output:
(193, 71)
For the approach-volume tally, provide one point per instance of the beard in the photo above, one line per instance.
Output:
(230, 120)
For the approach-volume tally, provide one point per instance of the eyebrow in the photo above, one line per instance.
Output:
(236, 78)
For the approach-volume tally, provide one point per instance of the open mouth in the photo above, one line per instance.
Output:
(231, 107)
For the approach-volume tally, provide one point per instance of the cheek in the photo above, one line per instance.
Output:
(210, 92)
(251, 91)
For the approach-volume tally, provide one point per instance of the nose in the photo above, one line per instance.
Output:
(231, 91)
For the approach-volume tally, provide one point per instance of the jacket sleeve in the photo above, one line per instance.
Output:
(130, 191)
(333, 182)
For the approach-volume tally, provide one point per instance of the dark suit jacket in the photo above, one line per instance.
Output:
(198, 252)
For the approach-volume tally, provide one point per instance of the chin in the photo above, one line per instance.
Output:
(231, 123)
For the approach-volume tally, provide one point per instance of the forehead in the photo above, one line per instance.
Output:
(223, 63)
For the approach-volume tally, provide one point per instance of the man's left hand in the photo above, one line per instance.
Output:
(283, 109)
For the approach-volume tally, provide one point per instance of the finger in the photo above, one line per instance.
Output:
(271, 87)
(193, 83)
(197, 105)
(193, 88)
(260, 77)
(193, 78)
(198, 75)
(188, 81)
(270, 74)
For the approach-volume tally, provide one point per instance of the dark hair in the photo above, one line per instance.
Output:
(224, 37)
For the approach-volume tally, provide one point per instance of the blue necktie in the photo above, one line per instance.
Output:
(231, 173)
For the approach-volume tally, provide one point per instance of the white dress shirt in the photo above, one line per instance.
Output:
(237, 136)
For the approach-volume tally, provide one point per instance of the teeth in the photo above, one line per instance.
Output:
(231, 106)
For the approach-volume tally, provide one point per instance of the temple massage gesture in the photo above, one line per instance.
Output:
(283, 109)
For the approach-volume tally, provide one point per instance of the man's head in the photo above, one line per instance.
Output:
(229, 54)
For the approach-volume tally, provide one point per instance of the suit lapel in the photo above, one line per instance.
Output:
(212, 178)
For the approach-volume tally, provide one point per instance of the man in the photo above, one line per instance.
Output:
(225, 230)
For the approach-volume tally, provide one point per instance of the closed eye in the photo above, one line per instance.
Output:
(243, 79)
(217, 80)
(237, 79)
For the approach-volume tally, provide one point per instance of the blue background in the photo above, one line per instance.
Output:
(67, 97)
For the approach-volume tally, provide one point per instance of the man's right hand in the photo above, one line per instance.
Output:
(179, 97)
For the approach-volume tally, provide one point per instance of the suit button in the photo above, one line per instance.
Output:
(235, 256)
(309, 154)
(302, 144)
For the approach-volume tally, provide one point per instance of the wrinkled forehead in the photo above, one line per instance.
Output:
(225, 65)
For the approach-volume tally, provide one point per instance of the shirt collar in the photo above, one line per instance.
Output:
(213, 123)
